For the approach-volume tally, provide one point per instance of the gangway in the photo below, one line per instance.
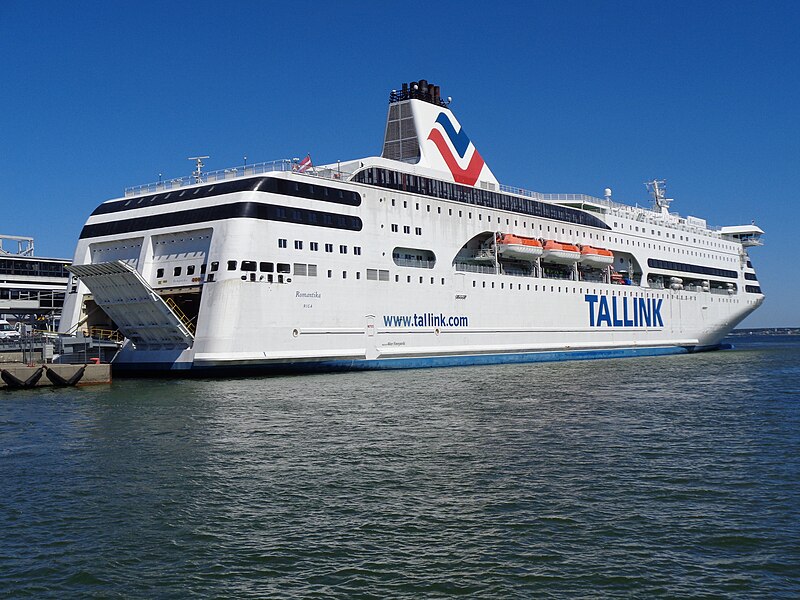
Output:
(139, 312)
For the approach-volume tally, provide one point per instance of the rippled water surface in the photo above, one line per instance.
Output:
(663, 477)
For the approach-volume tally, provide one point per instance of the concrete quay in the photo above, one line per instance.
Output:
(93, 374)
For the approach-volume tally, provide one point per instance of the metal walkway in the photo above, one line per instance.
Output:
(140, 313)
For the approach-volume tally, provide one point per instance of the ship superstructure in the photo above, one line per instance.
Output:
(417, 257)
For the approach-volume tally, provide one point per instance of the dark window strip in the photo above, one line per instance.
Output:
(237, 210)
(273, 185)
(444, 190)
(750, 276)
(753, 289)
(686, 268)
(34, 268)
(6, 282)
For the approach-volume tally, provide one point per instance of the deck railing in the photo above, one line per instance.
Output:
(636, 212)
(639, 213)
(326, 172)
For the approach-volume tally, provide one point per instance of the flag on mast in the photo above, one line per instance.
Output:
(304, 165)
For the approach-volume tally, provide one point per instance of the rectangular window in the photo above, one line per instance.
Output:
(372, 274)
(383, 275)
(284, 268)
(344, 274)
(248, 265)
(298, 244)
(281, 243)
(314, 246)
(357, 250)
(266, 267)
(190, 270)
(231, 265)
(300, 269)
(395, 228)
(214, 266)
(176, 271)
(418, 230)
(406, 229)
(328, 247)
(312, 270)
(342, 249)
(160, 273)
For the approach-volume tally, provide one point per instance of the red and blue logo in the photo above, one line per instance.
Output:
(461, 143)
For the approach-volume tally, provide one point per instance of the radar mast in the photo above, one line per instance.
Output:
(658, 188)
(198, 172)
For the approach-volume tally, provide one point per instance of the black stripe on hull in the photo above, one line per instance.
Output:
(236, 210)
(268, 185)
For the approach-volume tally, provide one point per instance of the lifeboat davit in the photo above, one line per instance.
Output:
(516, 246)
(556, 252)
(596, 257)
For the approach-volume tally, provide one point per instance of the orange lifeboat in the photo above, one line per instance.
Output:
(597, 258)
(556, 252)
(517, 246)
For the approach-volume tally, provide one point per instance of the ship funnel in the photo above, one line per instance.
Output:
(422, 130)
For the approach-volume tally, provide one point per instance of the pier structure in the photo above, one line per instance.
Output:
(19, 377)
(32, 288)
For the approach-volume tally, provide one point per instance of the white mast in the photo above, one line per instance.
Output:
(658, 188)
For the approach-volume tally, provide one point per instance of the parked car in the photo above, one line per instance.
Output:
(7, 332)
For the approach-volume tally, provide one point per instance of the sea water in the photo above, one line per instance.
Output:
(672, 476)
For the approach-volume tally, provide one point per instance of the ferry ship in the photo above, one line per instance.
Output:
(418, 257)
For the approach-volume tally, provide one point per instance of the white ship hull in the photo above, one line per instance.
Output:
(344, 335)
(354, 273)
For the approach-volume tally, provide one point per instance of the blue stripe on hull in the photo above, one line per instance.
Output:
(186, 370)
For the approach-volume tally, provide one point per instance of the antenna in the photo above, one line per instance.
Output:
(658, 188)
(198, 172)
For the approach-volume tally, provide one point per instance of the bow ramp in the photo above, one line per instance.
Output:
(139, 312)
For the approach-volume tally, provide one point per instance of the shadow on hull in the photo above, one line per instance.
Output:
(164, 370)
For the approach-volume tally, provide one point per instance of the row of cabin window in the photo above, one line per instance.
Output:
(247, 265)
(630, 227)
(415, 184)
(263, 267)
(418, 231)
(406, 229)
(190, 270)
(33, 268)
(26, 294)
(668, 234)
(314, 246)
(687, 268)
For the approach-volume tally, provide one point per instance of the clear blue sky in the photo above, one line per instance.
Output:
(558, 96)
